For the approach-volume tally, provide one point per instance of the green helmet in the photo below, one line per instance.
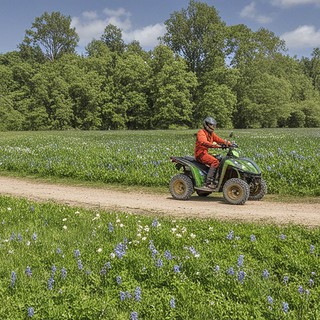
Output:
(209, 124)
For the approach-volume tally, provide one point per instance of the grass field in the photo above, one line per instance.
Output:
(289, 158)
(59, 262)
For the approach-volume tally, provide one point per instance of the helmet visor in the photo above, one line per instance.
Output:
(211, 126)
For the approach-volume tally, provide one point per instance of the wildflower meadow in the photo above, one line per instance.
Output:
(59, 262)
(288, 158)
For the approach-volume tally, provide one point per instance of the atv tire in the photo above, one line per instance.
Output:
(236, 191)
(181, 187)
(258, 192)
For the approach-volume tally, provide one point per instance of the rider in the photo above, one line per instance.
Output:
(206, 138)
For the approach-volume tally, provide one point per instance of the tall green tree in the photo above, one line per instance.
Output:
(172, 88)
(51, 34)
(197, 34)
(112, 37)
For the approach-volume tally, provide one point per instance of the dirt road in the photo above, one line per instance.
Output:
(307, 214)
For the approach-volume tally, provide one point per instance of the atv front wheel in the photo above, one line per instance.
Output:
(236, 191)
(257, 192)
(181, 187)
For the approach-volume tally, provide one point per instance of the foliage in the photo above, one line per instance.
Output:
(137, 267)
(202, 67)
(288, 158)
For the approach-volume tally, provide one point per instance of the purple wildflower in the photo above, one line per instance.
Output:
(34, 236)
(230, 235)
(270, 300)
(265, 274)
(230, 271)
(217, 268)
(30, 312)
(122, 296)
(240, 260)
(134, 315)
(76, 253)
(110, 227)
(300, 289)
(119, 280)
(155, 223)
(311, 248)
(241, 276)
(172, 303)
(168, 255)
(253, 238)
(137, 294)
(63, 273)
(50, 283)
(285, 279)
(159, 263)
(13, 278)
(28, 272)
(176, 268)
(311, 282)
(120, 250)
(80, 266)
(285, 307)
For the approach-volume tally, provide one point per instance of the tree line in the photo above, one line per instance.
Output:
(201, 67)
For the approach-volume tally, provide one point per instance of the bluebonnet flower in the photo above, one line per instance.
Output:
(311, 282)
(12, 237)
(282, 236)
(176, 268)
(172, 303)
(128, 295)
(34, 236)
(63, 273)
(106, 267)
(76, 253)
(50, 283)
(285, 307)
(240, 260)
(311, 248)
(168, 255)
(230, 271)
(270, 300)
(59, 251)
(285, 279)
(300, 289)
(32, 208)
(19, 237)
(253, 238)
(119, 280)
(30, 312)
(110, 227)
(120, 250)
(153, 249)
(134, 315)
(159, 263)
(28, 272)
(122, 296)
(194, 252)
(137, 294)
(241, 276)
(53, 270)
(80, 266)
(13, 278)
(230, 235)
(155, 223)
(265, 274)
(217, 268)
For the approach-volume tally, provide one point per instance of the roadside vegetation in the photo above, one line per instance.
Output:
(127, 266)
(288, 157)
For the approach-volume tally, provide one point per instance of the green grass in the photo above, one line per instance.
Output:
(288, 157)
(69, 263)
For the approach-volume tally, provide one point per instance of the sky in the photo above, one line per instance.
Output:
(295, 21)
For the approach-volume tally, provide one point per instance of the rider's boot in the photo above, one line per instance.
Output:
(211, 178)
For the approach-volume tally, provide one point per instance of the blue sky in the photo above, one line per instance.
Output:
(295, 21)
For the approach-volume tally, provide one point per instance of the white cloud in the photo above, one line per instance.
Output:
(251, 12)
(303, 37)
(90, 25)
(291, 3)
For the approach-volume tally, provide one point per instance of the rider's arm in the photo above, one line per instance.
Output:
(203, 140)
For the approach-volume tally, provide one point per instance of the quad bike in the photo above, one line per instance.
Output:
(238, 178)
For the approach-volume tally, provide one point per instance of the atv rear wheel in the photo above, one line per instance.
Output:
(236, 191)
(181, 187)
(257, 192)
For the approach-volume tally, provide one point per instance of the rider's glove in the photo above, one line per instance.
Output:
(234, 145)
(224, 146)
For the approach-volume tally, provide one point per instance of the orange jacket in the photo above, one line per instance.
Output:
(205, 141)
